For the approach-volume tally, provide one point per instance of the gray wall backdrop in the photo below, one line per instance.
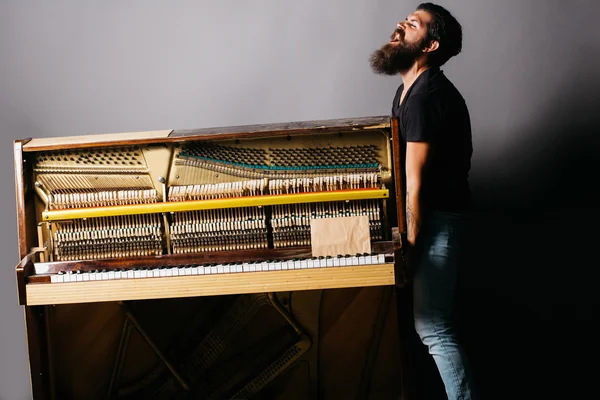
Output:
(528, 72)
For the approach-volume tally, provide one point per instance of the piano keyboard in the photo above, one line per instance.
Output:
(213, 269)
(208, 279)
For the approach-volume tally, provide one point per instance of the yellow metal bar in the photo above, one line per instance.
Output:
(236, 202)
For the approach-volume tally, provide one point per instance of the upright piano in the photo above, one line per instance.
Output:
(180, 264)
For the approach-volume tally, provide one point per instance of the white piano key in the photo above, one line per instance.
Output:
(290, 264)
(354, 260)
(239, 268)
(214, 270)
(336, 262)
(381, 258)
(144, 273)
(246, 267)
(373, 259)
(155, 273)
(136, 274)
(86, 277)
(60, 278)
(162, 272)
(329, 262)
(362, 260)
(279, 265)
(194, 271)
(111, 275)
(226, 269)
(129, 274)
(220, 269)
(265, 266)
(310, 263)
(188, 271)
(169, 272)
(53, 278)
(67, 277)
(92, 276)
(343, 261)
(303, 264)
(104, 276)
(202, 270)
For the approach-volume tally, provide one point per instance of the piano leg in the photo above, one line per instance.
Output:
(37, 346)
(406, 340)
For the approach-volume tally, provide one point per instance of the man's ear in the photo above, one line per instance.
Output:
(433, 46)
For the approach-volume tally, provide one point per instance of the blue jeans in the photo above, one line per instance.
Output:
(434, 297)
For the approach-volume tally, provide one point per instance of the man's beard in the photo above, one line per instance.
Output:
(392, 59)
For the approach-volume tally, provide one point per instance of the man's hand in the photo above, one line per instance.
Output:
(411, 262)
(406, 261)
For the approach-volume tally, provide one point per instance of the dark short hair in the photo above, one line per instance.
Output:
(446, 30)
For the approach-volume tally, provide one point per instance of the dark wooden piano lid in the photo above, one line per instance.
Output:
(362, 123)
(225, 132)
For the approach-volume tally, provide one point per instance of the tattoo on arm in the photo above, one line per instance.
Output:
(409, 218)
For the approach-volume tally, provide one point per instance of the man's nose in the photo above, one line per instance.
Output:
(399, 25)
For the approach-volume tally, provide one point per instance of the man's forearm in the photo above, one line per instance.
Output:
(413, 215)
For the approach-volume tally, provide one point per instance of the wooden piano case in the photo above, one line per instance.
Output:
(326, 333)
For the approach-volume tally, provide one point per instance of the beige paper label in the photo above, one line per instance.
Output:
(343, 235)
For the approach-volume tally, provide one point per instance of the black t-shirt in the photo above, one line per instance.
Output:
(434, 111)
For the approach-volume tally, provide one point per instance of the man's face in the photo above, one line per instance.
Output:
(405, 46)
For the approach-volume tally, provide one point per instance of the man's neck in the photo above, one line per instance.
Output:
(410, 75)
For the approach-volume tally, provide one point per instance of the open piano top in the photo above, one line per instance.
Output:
(106, 208)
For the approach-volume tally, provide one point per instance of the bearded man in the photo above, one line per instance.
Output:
(435, 126)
